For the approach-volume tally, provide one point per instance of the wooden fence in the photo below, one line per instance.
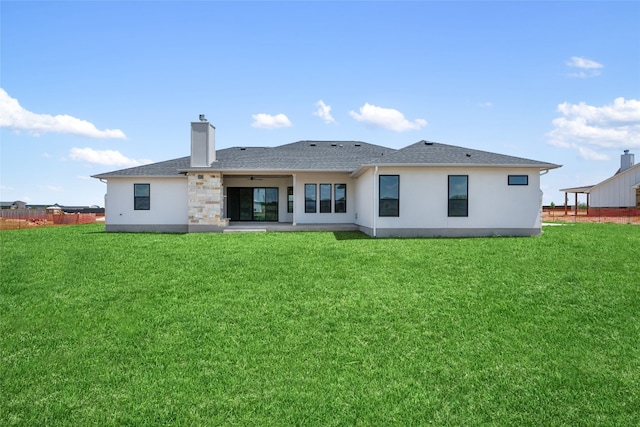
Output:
(617, 215)
(28, 218)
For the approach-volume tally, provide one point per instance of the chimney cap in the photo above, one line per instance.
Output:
(626, 151)
(202, 118)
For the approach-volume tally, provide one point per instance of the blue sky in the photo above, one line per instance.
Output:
(91, 87)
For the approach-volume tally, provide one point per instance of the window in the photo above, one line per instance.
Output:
(310, 198)
(141, 197)
(340, 194)
(338, 198)
(518, 179)
(458, 195)
(289, 199)
(325, 198)
(389, 192)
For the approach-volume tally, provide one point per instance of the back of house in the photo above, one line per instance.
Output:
(424, 189)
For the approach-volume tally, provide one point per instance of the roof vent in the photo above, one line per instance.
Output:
(242, 148)
(468, 155)
(358, 145)
(313, 144)
(334, 145)
(427, 142)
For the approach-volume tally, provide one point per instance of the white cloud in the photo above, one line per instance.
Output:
(584, 63)
(589, 154)
(487, 104)
(324, 112)
(587, 67)
(267, 121)
(104, 157)
(13, 116)
(588, 129)
(387, 118)
(5, 188)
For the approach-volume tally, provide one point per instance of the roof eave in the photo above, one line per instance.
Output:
(541, 167)
(264, 170)
(581, 189)
(107, 176)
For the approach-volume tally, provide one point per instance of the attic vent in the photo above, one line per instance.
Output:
(468, 155)
(334, 145)
(242, 148)
(313, 144)
(427, 142)
(358, 145)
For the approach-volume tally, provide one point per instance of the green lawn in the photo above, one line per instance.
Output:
(319, 328)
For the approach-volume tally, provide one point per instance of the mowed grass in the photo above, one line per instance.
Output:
(319, 328)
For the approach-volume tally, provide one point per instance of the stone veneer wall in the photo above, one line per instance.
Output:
(206, 208)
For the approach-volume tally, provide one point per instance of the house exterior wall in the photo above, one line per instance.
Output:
(168, 205)
(617, 191)
(365, 207)
(301, 217)
(181, 204)
(494, 207)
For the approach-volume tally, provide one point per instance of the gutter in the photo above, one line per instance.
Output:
(103, 177)
(266, 171)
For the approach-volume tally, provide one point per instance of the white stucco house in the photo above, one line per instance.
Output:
(424, 189)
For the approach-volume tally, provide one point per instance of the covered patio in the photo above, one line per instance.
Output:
(575, 191)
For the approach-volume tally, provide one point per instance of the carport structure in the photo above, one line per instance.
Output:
(575, 191)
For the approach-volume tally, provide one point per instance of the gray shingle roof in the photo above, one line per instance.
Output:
(345, 156)
(160, 169)
(433, 153)
(301, 156)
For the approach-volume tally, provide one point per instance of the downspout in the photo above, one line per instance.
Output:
(373, 202)
(295, 205)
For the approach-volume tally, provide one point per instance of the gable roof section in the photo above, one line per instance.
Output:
(336, 156)
(433, 153)
(616, 176)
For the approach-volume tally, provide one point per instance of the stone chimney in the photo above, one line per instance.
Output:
(626, 161)
(203, 143)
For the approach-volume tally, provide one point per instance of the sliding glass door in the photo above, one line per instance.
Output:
(252, 204)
